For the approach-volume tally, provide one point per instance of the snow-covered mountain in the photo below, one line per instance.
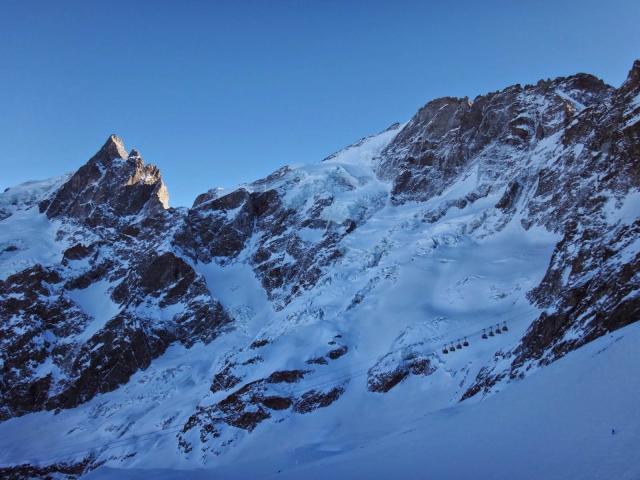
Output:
(317, 314)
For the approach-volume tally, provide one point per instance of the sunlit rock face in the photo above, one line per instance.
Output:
(111, 185)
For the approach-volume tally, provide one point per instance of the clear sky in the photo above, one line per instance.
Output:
(218, 93)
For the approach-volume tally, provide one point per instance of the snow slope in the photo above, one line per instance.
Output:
(26, 236)
(557, 425)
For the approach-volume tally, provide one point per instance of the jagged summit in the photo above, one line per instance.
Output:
(112, 148)
(448, 133)
(633, 78)
(134, 154)
(104, 191)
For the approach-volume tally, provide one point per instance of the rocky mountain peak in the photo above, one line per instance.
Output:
(134, 154)
(447, 133)
(633, 78)
(107, 189)
(112, 148)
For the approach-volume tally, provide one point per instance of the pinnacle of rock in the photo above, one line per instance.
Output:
(633, 79)
(114, 148)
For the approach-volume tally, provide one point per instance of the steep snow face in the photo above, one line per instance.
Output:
(438, 261)
(366, 150)
(344, 186)
(289, 226)
(27, 194)
(403, 288)
(575, 419)
(26, 236)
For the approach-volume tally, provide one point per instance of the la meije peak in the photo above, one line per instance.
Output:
(471, 274)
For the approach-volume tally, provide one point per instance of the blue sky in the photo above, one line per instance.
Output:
(218, 93)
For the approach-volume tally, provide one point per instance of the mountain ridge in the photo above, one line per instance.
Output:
(327, 284)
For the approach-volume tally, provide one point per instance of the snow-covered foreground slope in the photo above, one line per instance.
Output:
(407, 295)
(557, 425)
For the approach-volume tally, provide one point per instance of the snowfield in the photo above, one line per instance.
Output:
(557, 425)
(27, 237)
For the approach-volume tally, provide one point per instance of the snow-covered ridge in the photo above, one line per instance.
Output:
(26, 237)
(279, 313)
(367, 148)
(582, 429)
(28, 194)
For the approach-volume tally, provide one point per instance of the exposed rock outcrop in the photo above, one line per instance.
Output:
(592, 283)
(111, 186)
(448, 133)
